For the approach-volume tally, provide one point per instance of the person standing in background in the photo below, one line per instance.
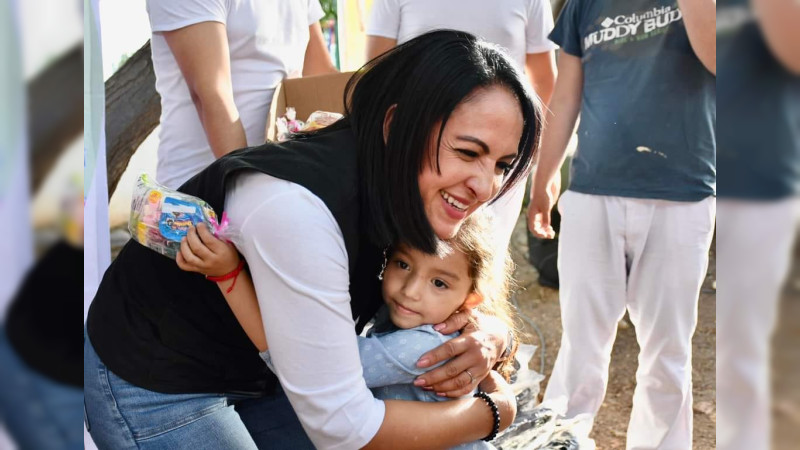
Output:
(519, 26)
(638, 218)
(759, 157)
(217, 64)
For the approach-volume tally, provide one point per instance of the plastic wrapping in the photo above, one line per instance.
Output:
(541, 425)
(161, 217)
(288, 123)
(321, 119)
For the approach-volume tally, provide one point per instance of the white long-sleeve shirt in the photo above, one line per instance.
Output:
(297, 258)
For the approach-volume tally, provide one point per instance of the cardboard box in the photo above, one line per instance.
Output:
(306, 95)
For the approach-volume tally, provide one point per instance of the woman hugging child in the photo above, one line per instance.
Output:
(419, 290)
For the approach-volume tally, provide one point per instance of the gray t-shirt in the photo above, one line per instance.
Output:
(647, 124)
(389, 357)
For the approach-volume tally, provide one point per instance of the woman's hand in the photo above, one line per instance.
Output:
(503, 396)
(202, 252)
(472, 355)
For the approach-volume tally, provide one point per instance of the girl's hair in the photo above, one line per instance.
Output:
(426, 78)
(490, 272)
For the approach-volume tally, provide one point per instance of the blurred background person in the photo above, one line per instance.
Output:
(759, 158)
(41, 399)
(638, 218)
(217, 65)
(519, 26)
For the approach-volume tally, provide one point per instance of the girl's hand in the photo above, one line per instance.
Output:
(472, 355)
(202, 252)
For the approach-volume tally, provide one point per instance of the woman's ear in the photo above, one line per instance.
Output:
(473, 299)
(387, 122)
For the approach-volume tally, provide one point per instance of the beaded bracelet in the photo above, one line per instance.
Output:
(495, 414)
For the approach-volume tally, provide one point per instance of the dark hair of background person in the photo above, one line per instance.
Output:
(426, 77)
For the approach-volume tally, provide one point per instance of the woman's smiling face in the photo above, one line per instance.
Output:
(478, 145)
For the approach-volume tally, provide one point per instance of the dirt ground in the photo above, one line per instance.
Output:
(541, 305)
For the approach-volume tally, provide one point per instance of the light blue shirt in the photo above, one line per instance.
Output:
(389, 357)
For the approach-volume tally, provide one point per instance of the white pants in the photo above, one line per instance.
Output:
(649, 257)
(754, 246)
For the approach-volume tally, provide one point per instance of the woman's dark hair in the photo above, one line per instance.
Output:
(426, 77)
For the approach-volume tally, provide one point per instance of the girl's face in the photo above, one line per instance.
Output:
(478, 145)
(424, 289)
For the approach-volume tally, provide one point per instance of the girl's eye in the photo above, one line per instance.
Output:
(401, 264)
(439, 283)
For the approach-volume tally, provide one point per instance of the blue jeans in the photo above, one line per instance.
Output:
(120, 415)
(273, 424)
(38, 413)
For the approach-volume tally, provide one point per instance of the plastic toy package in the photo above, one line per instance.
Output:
(161, 217)
(288, 124)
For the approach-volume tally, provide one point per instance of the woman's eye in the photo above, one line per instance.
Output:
(504, 167)
(439, 283)
(468, 153)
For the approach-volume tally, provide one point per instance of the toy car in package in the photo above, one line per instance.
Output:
(161, 217)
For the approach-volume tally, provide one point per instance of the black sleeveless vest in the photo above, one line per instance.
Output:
(171, 331)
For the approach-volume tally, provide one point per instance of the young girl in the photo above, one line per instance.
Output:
(419, 290)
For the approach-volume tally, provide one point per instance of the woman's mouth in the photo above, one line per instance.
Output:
(454, 208)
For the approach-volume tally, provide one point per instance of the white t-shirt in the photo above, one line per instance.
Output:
(520, 26)
(299, 264)
(267, 41)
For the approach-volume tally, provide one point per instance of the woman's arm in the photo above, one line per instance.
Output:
(445, 423)
(387, 359)
(201, 51)
(299, 265)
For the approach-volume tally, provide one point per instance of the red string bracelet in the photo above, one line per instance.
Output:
(232, 274)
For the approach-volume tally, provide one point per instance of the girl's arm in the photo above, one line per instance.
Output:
(202, 252)
(391, 358)
(387, 359)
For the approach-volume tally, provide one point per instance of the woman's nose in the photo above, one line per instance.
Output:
(484, 183)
